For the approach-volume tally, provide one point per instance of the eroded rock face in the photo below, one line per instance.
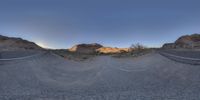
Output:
(110, 50)
(85, 48)
(187, 41)
(96, 48)
(188, 38)
(169, 46)
(10, 43)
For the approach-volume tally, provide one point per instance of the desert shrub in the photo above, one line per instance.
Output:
(137, 48)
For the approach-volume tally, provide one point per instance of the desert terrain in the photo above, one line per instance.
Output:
(47, 76)
(162, 74)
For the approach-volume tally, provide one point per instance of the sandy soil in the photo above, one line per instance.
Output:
(50, 77)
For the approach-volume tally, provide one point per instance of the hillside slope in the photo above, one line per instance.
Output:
(96, 48)
(186, 41)
(11, 43)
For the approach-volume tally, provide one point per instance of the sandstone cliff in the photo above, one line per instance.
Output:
(96, 48)
(85, 48)
(110, 50)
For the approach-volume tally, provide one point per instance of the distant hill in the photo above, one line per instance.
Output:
(111, 50)
(96, 48)
(11, 43)
(186, 41)
(85, 48)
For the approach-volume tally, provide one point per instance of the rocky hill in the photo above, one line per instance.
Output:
(186, 41)
(96, 48)
(85, 48)
(110, 50)
(11, 43)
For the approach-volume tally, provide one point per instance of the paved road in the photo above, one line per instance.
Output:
(49, 77)
(17, 54)
(184, 53)
(188, 57)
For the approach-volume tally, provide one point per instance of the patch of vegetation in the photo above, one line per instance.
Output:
(135, 50)
(73, 55)
(195, 37)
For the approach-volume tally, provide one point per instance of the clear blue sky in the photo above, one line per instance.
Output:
(117, 23)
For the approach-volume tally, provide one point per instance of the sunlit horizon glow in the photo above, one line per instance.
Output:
(42, 45)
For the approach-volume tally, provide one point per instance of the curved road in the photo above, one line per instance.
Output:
(188, 57)
(49, 77)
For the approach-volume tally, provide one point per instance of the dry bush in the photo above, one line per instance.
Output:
(137, 49)
(134, 50)
(73, 55)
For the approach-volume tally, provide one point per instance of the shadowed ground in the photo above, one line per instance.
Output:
(49, 77)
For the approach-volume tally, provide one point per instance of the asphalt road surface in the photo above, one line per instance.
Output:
(49, 77)
(184, 53)
(16, 54)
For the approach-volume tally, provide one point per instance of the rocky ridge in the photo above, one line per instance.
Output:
(96, 48)
(11, 43)
(185, 42)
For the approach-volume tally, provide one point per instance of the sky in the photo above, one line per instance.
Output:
(118, 23)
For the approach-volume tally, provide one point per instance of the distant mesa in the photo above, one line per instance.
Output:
(110, 50)
(85, 48)
(11, 43)
(96, 48)
(186, 42)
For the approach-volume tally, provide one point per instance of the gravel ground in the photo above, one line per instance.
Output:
(50, 77)
(16, 54)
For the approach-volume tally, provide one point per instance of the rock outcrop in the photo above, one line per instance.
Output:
(110, 50)
(96, 48)
(169, 45)
(186, 42)
(10, 43)
(85, 48)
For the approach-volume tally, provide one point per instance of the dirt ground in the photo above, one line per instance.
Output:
(50, 77)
